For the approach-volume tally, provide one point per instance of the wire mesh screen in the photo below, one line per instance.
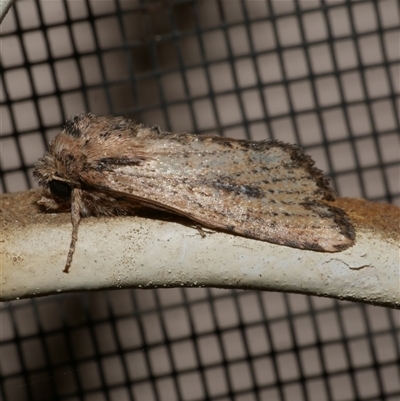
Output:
(323, 74)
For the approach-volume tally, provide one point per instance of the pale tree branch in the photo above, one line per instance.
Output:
(139, 252)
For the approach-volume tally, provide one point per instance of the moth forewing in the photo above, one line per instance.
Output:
(266, 190)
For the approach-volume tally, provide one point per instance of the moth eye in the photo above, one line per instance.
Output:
(60, 190)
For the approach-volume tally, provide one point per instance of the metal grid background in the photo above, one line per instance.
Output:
(324, 74)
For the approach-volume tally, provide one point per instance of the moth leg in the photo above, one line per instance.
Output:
(48, 203)
(200, 230)
(76, 206)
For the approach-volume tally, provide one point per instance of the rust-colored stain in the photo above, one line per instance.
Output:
(378, 218)
(20, 209)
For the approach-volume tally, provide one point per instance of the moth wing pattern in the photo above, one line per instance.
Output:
(266, 190)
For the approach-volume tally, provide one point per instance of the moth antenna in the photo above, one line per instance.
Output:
(76, 202)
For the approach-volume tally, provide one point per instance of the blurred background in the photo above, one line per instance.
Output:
(323, 74)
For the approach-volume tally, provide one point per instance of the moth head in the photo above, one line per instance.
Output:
(56, 171)
(59, 188)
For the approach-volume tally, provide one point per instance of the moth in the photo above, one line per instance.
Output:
(268, 190)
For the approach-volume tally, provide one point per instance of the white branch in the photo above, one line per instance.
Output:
(148, 253)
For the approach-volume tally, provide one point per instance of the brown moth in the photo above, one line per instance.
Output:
(267, 190)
